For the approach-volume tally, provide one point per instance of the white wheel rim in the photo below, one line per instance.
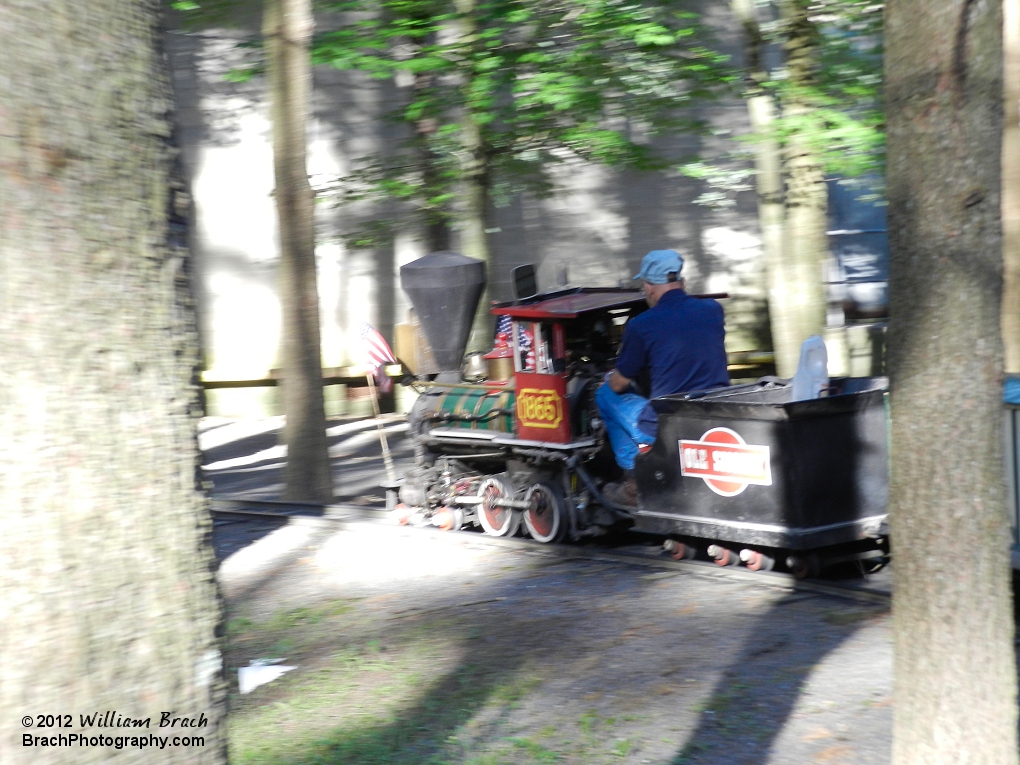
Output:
(505, 529)
(557, 518)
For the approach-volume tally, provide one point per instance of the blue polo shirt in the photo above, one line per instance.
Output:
(680, 342)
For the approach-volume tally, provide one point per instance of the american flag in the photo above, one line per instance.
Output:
(379, 354)
(503, 327)
(525, 342)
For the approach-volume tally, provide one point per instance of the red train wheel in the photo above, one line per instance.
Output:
(682, 551)
(756, 561)
(495, 520)
(729, 558)
(723, 556)
(546, 516)
(448, 518)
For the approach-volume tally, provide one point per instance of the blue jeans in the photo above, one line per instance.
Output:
(620, 412)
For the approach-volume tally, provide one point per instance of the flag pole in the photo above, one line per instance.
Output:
(387, 459)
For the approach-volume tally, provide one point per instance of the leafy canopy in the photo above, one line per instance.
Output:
(827, 87)
(543, 81)
(845, 122)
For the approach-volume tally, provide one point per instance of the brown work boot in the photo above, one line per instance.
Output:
(623, 494)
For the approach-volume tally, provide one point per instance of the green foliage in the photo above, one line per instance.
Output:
(542, 81)
(536, 751)
(721, 183)
(832, 73)
(845, 124)
(547, 82)
(204, 12)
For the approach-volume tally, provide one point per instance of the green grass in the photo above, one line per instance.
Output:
(536, 751)
(722, 700)
(843, 618)
(434, 689)
(487, 759)
(239, 626)
(588, 721)
(412, 699)
(622, 747)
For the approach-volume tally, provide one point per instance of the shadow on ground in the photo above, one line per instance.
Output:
(501, 675)
(756, 694)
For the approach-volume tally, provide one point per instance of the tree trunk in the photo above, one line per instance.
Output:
(287, 29)
(473, 239)
(797, 296)
(107, 597)
(1011, 187)
(792, 196)
(955, 681)
(801, 298)
(436, 228)
(437, 231)
(761, 110)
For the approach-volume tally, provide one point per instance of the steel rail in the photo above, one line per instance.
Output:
(352, 516)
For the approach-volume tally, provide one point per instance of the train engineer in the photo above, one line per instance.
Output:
(678, 343)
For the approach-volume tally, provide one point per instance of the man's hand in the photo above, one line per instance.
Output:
(617, 383)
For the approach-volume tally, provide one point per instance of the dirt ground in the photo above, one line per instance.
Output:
(429, 649)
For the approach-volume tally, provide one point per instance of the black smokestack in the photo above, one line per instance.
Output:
(444, 288)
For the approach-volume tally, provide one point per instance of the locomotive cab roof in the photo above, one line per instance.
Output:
(569, 303)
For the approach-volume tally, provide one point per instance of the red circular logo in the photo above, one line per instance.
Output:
(724, 436)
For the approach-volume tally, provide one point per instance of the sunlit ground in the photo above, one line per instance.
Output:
(417, 649)
(246, 457)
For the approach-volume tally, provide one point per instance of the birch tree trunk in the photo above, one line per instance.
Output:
(955, 672)
(474, 241)
(761, 110)
(436, 224)
(790, 177)
(287, 29)
(107, 597)
(1011, 186)
(800, 299)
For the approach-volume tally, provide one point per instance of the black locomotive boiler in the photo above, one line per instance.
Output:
(742, 474)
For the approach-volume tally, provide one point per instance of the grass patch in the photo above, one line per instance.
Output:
(510, 693)
(415, 699)
(486, 759)
(622, 747)
(239, 626)
(842, 618)
(536, 751)
(587, 722)
(287, 632)
(721, 701)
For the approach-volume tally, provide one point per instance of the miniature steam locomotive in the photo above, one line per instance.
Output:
(741, 474)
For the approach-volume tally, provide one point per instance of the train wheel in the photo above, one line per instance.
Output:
(497, 521)
(804, 567)
(723, 556)
(402, 514)
(757, 561)
(679, 550)
(546, 516)
(448, 518)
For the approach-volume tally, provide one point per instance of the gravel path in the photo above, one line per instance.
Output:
(419, 648)
(432, 649)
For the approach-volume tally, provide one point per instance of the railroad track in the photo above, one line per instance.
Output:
(271, 513)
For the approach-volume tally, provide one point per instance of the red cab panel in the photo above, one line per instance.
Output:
(542, 410)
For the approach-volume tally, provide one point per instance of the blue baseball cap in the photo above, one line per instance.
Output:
(657, 265)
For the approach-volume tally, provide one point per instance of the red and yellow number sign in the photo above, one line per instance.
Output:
(542, 413)
(539, 408)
